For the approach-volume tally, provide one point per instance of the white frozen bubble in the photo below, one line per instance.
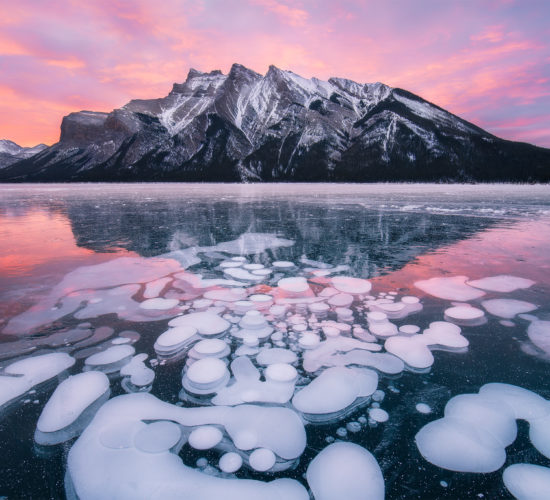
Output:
(527, 481)
(539, 333)
(295, 286)
(206, 323)
(345, 471)
(159, 304)
(216, 348)
(309, 340)
(412, 350)
(378, 415)
(502, 283)
(70, 399)
(230, 462)
(281, 372)
(253, 324)
(253, 267)
(456, 445)
(225, 294)
(205, 437)
(276, 355)
(451, 288)
(206, 376)
(409, 329)
(175, 339)
(38, 369)
(115, 355)
(335, 389)
(230, 263)
(464, 314)
(262, 459)
(507, 308)
(157, 437)
(354, 286)
(423, 408)
(140, 375)
(476, 429)
(340, 300)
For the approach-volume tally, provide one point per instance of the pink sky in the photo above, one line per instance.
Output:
(485, 60)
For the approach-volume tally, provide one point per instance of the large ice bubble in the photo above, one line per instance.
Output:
(451, 288)
(527, 481)
(345, 471)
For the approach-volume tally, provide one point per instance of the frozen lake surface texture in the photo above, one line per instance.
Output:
(274, 341)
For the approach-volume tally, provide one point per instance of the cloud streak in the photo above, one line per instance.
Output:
(487, 61)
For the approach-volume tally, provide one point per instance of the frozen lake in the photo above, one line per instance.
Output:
(256, 327)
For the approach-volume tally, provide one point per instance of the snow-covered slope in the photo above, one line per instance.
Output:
(10, 152)
(280, 126)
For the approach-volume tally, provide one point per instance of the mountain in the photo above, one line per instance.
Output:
(11, 153)
(243, 127)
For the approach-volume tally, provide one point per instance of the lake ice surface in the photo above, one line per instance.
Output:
(274, 340)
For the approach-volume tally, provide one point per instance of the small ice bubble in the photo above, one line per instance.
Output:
(230, 462)
(201, 463)
(378, 415)
(353, 427)
(341, 432)
(205, 437)
(423, 408)
(378, 395)
(443, 484)
(262, 459)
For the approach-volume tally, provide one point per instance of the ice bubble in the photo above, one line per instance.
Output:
(262, 459)
(507, 308)
(451, 288)
(206, 323)
(206, 376)
(464, 314)
(342, 432)
(330, 331)
(456, 445)
(527, 481)
(309, 340)
(502, 283)
(225, 294)
(215, 348)
(296, 286)
(281, 372)
(320, 309)
(353, 427)
(175, 339)
(230, 263)
(347, 284)
(335, 389)
(230, 462)
(477, 427)
(205, 437)
(70, 399)
(412, 350)
(253, 267)
(378, 415)
(38, 369)
(345, 470)
(157, 437)
(409, 329)
(253, 324)
(276, 355)
(423, 408)
(340, 300)
(110, 360)
(539, 333)
(159, 304)
(140, 375)
(378, 395)
(261, 300)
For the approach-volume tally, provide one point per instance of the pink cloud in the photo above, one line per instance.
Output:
(486, 61)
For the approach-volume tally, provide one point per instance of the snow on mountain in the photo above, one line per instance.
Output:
(10, 152)
(244, 126)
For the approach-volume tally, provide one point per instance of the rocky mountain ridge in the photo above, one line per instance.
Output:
(247, 127)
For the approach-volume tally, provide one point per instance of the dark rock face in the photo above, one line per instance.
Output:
(244, 127)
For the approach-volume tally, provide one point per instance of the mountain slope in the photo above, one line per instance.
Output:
(10, 152)
(278, 127)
